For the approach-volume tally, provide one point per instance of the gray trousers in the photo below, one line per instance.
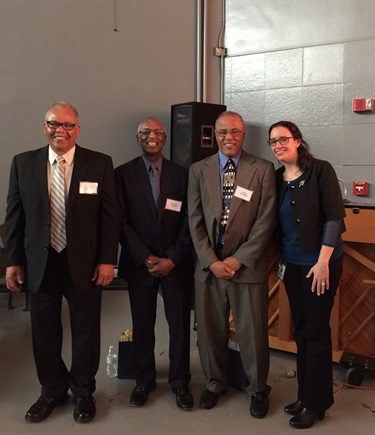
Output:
(249, 304)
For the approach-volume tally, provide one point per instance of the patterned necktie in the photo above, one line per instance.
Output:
(229, 179)
(155, 182)
(58, 233)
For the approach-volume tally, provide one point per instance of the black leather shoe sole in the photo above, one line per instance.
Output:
(306, 418)
(43, 407)
(259, 405)
(84, 409)
(208, 399)
(293, 408)
(139, 395)
(184, 398)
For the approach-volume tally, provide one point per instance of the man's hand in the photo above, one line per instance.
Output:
(103, 274)
(159, 267)
(232, 263)
(221, 270)
(14, 278)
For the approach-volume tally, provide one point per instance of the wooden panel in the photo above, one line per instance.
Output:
(360, 225)
(353, 315)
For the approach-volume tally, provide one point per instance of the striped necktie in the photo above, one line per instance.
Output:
(58, 232)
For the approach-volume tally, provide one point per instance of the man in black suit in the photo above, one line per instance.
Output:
(76, 270)
(156, 252)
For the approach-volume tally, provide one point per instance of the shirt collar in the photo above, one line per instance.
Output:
(69, 156)
(223, 159)
(158, 163)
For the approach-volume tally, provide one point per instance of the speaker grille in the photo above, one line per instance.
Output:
(192, 131)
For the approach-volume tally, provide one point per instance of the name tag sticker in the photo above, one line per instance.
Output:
(173, 205)
(88, 188)
(242, 193)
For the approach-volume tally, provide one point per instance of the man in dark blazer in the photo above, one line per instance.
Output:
(78, 272)
(232, 270)
(156, 252)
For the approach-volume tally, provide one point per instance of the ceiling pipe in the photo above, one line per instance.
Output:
(201, 51)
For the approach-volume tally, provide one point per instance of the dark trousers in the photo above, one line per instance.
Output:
(47, 332)
(311, 315)
(177, 308)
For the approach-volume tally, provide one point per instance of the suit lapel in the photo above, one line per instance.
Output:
(211, 174)
(80, 169)
(165, 181)
(244, 179)
(39, 172)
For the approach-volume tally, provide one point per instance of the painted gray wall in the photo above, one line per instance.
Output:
(305, 61)
(302, 60)
(68, 50)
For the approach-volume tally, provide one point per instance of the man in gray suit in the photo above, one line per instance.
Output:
(232, 270)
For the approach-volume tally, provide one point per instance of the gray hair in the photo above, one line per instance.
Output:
(63, 104)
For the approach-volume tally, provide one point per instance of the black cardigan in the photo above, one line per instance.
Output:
(315, 199)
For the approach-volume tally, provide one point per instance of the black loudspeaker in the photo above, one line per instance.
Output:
(193, 131)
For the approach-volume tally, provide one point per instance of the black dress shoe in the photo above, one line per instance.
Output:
(43, 407)
(208, 399)
(84, 409)
(184, 398)
(139, 395)
(306, 418)
(294, 408)
(259, 404)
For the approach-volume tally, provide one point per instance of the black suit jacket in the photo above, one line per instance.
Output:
(92, 221)
(150, 230)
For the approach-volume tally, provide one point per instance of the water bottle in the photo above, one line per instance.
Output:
(112, 362)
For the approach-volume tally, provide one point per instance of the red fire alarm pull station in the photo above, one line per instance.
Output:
(363, 105)
(360, 188)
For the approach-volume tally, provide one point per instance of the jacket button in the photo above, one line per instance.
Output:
(298, 221)
(293, 203)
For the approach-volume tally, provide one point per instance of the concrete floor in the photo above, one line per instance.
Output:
(352, 414)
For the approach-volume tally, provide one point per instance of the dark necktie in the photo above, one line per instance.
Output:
(58, 231)
(155, 183)
(229, 179)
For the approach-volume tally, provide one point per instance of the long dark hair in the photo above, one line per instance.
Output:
(304, 155)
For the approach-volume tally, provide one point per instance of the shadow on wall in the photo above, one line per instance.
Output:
(256, 142)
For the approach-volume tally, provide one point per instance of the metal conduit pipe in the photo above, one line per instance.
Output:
(201, 48)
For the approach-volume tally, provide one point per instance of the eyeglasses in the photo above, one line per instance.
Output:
(146, 132)
(65, 125)
(283, 140)
(223, 133)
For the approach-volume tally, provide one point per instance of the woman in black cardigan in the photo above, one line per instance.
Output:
(310, 223)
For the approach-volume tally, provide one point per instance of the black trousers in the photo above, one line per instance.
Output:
(311, 315)
(177, 308)
(47, 331)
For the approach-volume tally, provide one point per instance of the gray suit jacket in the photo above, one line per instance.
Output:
(250, 224)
